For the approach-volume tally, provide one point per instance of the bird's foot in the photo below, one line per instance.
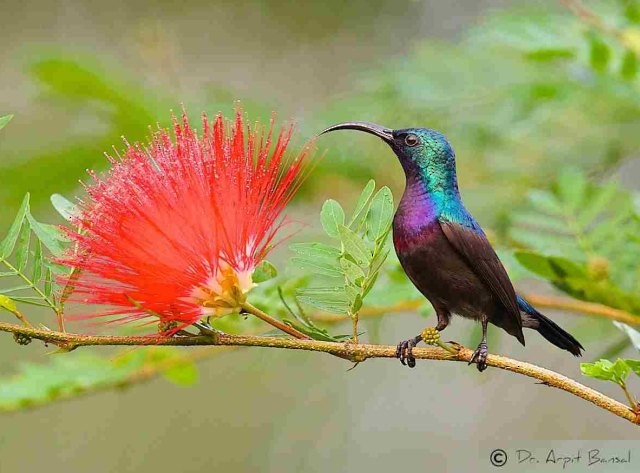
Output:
(479, 357)
(206, 329)
(404, 351)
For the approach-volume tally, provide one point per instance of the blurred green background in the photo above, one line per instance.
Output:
(524, 91)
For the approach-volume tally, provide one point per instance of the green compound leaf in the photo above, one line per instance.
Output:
(605, 370)
(354, 266)
(73, 374)
(22, 255)
(580, 236)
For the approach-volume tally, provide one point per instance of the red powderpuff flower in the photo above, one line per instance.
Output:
(175, 230)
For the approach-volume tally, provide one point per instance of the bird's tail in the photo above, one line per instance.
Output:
(548, 328)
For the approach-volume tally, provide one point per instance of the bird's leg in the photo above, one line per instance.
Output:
(444, 316)
(480, 355)
(405, 348)
(205, 328)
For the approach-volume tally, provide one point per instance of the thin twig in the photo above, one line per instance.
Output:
(21, 318)
(274, 322)
(350, 351)
(588, 17)
(598, 23)
(632, 402)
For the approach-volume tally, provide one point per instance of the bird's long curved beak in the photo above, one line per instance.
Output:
(381, 132)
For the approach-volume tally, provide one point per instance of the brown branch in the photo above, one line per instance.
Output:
(350, 351)
(591, 308)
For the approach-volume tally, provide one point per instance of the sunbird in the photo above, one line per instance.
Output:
(444, 251)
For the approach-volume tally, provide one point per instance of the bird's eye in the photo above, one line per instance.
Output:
(411, 140)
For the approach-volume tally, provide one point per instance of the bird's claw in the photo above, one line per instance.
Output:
(480, 357)
(404, 351)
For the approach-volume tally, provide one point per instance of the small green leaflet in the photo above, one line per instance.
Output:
(599, 53)
(352, 271)
(264, 272)
(634, 365)
(380, 214)
(7, 245)
(64, 207)
(4, 120)
(362, 205)
(8, 304)
(330, 299)
(549, 267)
(317, 258)
(353, 245)
(50, 236)
(331, 216)
(22, 250)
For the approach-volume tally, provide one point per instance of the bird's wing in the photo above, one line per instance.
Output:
(476, 250)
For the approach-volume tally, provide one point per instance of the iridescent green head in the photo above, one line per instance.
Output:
(421, 151)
